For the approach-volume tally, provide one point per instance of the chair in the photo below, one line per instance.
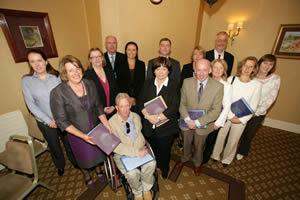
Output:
(13, 123)
(39, 143)
(19, 156)
(116, 179)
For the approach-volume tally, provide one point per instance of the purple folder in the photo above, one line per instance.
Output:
(155, 107)
(194, 114)
(241, 108)
(106, 141)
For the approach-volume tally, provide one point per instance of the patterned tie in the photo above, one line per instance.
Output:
(219, 57)
(200, 91)
(112, 58)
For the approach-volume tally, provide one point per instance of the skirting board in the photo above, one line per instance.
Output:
(287, 126)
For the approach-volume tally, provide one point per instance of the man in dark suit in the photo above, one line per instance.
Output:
(199, 93)
(165, 51)
(115, 60)
(219, 51)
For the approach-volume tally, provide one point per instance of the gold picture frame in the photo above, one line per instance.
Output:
(287, 44)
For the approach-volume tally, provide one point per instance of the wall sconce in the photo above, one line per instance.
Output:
(156, 1)
(233, 31)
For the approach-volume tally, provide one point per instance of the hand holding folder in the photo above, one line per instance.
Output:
(155, 107)
(101, 136)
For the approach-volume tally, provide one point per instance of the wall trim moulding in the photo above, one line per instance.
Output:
(287, 126)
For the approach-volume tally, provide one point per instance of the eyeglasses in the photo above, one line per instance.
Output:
(95, 57)
(127, 128)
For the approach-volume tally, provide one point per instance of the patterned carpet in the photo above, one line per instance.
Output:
(271, 171)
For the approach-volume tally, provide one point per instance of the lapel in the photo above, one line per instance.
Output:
(107, 60)
(194, 89)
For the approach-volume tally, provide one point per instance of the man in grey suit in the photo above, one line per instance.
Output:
(165, 51)
(199, 93)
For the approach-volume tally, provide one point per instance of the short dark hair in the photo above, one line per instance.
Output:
(62, 66)
(49, 67)
(269, 58)
(136, 46)
(161, 61)
(165, 39)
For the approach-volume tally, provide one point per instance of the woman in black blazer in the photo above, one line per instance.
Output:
(188, 69)
(104, 79)
(132, 76)
(161, 137)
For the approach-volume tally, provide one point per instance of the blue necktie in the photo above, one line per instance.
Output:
(112, 62)
(200, 91)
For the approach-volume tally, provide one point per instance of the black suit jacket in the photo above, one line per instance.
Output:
(119, 62)
(113, 88)
(187, 72)
(171, 96)
(228, 57)
(175, 74)
(131, 87)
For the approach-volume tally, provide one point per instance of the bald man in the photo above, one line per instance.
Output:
(199, 93)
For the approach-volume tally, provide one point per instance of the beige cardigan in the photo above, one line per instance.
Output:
(127, 147)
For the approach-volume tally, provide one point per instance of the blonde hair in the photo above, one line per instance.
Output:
(224, 64)
(200, 49)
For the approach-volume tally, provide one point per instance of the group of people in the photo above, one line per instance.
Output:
(114, 89)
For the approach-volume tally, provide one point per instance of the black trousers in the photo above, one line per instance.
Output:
(209, 145)
(161, 147)
(52, 136)
(249, 133)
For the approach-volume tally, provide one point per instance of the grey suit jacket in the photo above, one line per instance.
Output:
(68, 110)
(175, 74)
(211, 102)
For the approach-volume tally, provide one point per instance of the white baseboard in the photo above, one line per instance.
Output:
(287, 126)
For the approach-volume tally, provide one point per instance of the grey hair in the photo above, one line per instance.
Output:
(122, 96)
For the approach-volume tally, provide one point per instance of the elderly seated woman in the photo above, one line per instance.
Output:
(127, 126)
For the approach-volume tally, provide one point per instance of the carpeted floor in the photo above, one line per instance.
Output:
(271, 171)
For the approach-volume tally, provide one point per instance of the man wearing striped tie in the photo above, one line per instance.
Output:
(199, 93)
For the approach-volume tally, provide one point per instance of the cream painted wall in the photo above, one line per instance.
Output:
(70, 32)
(146, 24)
(262, 19)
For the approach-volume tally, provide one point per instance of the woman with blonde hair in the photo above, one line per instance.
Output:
(188, 69)
(243, 85)
(219, 68)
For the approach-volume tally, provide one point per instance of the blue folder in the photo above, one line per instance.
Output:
(241, 108)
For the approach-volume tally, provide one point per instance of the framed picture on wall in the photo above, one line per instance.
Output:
(287, 44)
(25, 30)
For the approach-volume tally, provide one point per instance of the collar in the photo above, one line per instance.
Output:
(129, 120)
(204, 82)
(110, 55)
(217, 54)
(164, 56)
(165, 83)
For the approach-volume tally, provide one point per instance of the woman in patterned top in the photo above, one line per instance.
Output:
(270, 87)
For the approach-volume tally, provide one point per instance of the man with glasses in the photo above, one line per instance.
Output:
(219, 51)
(127, 126)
